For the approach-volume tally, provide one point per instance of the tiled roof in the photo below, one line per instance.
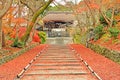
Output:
(59, 16)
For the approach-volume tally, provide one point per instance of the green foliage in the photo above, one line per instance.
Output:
(114, 22)
(76, 38)
(25, 37)
(42, 36)
(106, 37)
(17, 43)
(98, 32)
(80, 38)
(111, 54)
(114, 32)
(108, 15)
(116, 41)
(102, 21)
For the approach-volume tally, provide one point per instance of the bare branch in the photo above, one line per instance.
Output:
(27, 6)
(5, 8)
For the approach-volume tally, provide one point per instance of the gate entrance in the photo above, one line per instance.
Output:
(56, 23)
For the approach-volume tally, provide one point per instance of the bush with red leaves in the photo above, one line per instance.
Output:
(36, 38)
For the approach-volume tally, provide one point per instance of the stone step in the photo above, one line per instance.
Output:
(58, 77)
(58, 60)
(57, 63)
(58, 55)
(53, 61)
(55, 58)
(57, 72)
(57, 67)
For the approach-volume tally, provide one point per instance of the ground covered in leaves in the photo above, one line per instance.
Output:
(105, 68)
(9, 70)
(110, 43)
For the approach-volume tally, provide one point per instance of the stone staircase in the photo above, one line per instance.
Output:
(59, 40)
(58, 62)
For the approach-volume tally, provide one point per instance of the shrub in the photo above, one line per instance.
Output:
(109, 15)
(98, 32)
(103, 21)
(76, 38)
(17, 43)
(36, 38)
(42, 36)
(80, 38)
(106, 37)
(114, 32)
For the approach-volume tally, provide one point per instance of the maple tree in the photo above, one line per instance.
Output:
(39, 10)
(108, 5)
(4, 6)
(35, 16)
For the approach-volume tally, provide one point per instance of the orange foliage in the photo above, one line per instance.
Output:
(21, 31)
(81, 7)
(13, 34)
(117, 17)
(19, 20)
(94, 6)
(9, 15)
(7, 30)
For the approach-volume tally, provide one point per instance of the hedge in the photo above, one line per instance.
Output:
(16, 54)
(111, 54)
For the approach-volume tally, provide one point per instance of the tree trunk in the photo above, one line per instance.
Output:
(3, 39)
(93, 17)
(104, 17)
(6, 8)
(2, 13)
(111, 22)
(35, 16)
(0, 33)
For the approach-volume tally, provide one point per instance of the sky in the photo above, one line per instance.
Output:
(62, 1)
(67, 0)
